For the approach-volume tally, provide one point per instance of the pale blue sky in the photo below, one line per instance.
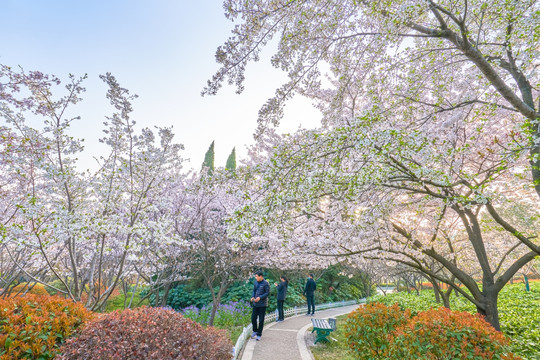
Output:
(162, 50)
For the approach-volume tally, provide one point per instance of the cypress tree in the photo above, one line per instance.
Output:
(209, 159)
(231, 161)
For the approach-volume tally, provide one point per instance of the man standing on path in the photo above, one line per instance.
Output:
(281, 294)
(309, 293)
(261, 290)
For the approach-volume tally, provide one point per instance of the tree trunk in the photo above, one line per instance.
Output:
(216, 300)
(436, 289)
(134, 290)
(446, 297)
(489, 308)
(165, 294)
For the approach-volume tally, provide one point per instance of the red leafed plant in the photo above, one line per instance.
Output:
(147, 333)
(445, 334)
(34, 326)
(368, 329)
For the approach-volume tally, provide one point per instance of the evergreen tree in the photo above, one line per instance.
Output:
(231, 161)
(209, 159)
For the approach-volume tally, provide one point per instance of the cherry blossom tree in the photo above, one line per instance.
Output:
(41, 163)
(216, 257)
(418, 60)
(134, 211)
(395, 194)
(429, 127)
(83, 232)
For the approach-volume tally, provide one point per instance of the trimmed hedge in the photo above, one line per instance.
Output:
(33, 326)
(147, 333)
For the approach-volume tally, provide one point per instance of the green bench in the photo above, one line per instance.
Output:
(323, 328)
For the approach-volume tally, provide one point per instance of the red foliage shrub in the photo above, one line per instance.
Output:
(445, 334)
(33, 327)
(147, 333)
(368, 329)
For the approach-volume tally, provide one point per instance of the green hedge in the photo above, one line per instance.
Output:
(333, 285)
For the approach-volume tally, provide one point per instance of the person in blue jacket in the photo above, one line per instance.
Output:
(281, 294)
(309, 293)
(259, 299)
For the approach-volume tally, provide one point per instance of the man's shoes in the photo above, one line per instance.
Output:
(253, 335)
(312, 314)
(258, 338)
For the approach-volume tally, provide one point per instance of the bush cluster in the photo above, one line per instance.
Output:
(518, 313)
(445, 334)
(36, 289)
(368, 329)
(377, 331)
(147, 333)
(33, 326)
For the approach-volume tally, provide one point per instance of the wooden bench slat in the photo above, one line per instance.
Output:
(323, 329)
(321, 324)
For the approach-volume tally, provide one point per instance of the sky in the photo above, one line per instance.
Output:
(161, 50)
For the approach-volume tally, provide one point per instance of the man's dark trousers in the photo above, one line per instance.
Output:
(310, 304)
(258, 312)
(281, 316)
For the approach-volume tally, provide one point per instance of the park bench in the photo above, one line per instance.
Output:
(323, 328)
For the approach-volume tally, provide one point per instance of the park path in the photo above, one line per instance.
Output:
(286, 340)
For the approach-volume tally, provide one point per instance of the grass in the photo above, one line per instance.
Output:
(334, 350)
(234, 333)
(117, 302)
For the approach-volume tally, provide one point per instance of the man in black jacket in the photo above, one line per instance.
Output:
(261, 290)
(281, 294)
(309, 293)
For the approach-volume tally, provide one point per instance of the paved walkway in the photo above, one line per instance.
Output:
(286, 340)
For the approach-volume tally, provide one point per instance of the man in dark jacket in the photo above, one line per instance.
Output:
(309, 293)
(281, 294)
(261, 290)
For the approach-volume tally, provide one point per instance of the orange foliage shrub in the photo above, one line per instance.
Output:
(33, 326)
(147, 333)
(445, 334)
(369, 327)
(37, 289)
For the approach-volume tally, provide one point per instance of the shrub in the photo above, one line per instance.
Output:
(518, 311)
(147, 333)
(368, 329)
(33, 327)
(445, 334)
(37, 289)
(56, 284)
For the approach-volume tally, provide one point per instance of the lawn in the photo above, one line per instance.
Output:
(336, 348)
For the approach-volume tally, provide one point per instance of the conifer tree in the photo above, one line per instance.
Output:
(209, 159)
(231, 161)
